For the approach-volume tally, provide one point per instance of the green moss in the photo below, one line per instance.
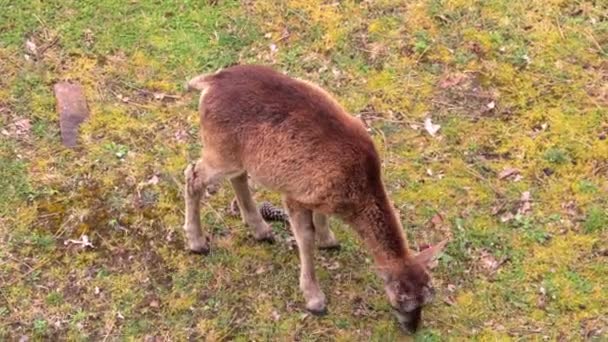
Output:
(596, 220)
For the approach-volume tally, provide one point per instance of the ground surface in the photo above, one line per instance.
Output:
(516, 176)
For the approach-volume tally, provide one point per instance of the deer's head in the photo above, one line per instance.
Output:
(409, 287)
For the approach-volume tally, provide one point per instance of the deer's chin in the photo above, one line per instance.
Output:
(409, 321)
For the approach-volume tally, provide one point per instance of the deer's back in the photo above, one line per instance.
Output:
(290, 136)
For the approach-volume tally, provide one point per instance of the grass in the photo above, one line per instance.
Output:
(513, 84)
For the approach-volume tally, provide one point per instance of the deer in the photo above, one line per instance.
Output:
(291, 136)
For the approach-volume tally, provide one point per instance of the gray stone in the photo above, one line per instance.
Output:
(73, 110)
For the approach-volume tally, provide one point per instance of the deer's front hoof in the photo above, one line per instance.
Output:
(264, 234)
(316, 306)
(200, 247)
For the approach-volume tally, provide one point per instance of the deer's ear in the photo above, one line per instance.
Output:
(426, 256)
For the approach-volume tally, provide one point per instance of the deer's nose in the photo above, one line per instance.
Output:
(410, 321)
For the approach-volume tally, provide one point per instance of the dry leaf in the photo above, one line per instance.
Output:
(334, 266)
(181, 135)
(31, 47)
(508, 172)
(452, 80)
(430, 127)
(83, 242)
(488, 261)
(153, 180)
(437, 220)
(507, 217)
(526, 204)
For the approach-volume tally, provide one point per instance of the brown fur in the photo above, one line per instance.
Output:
(293, 137)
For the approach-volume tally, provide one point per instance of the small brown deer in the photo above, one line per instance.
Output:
(292, 137)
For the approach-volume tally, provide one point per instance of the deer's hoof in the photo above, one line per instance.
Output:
(317, 306)
(200, 247)
(264, 234)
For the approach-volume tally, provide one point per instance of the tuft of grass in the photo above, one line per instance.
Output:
(596, 220)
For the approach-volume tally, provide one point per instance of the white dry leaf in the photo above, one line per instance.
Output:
(83, 242)
(507, 217)
(153, 180)
(430, 127)
(488, 261)
(31, 47)
(491, 105)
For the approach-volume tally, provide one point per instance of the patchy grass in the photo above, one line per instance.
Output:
(513, 84)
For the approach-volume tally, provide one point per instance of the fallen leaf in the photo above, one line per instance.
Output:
(452, 80)
(181, 135)
(31, 47)
(83, 242)
(430, 127)
(153, 180)
(508, 172)
(488, 261)
(334, 266)
(22, 126)
(437, 220)
(449, 300)
(491, 105)
(260, 270)
(18, 128)
(525, 203)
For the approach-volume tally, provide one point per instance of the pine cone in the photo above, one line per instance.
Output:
(271, 213)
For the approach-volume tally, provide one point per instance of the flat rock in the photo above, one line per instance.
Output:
(73, 110)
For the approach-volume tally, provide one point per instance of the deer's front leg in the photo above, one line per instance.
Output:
(249, 212)
(301, 223)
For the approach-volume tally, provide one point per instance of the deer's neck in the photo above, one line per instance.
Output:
(380, 229)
